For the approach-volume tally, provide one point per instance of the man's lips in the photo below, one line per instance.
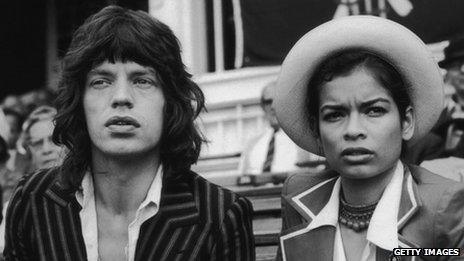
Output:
(122, 121)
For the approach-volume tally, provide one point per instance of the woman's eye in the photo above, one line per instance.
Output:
(332, 116)
(376, 111)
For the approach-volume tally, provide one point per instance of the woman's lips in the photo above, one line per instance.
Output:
(357, 155)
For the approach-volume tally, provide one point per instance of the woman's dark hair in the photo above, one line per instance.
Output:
(119, 34)
(343, 64)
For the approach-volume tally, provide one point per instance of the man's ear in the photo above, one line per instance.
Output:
(407, 124)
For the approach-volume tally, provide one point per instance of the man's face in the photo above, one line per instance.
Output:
(14, 131)
(269, 112)
(123, 106)
(455, 77)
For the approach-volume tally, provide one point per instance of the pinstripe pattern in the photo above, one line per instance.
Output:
(197, 220)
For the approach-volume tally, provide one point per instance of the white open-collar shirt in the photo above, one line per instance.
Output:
(383, 227)
(88, 215)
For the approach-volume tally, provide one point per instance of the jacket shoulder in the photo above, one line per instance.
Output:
(423, 176)
(441, 198)
(218, 198)
(36, 182)
(303, 181)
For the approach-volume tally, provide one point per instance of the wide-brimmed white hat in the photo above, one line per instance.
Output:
(389, 40)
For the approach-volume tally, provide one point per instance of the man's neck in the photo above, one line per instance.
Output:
(121, 185)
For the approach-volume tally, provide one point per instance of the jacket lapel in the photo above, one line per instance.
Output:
(176, 220)
(60, 211)
(409, 205)
(294, 241)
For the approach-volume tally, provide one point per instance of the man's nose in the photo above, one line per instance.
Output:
(355, 128)
(122, 95)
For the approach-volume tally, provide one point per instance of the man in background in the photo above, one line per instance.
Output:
(273, 150)
(450, 127)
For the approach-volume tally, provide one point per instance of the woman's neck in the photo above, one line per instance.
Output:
(121, 186)
(366, 191)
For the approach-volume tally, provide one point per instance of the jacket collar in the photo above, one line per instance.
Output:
(174, 191)
(309, 202)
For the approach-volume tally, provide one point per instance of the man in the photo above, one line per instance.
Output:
(450, 125)
(14, 120)
(449, 161)
(125, 191)
(273, 150)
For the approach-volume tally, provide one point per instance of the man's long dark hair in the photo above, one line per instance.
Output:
(119, 34)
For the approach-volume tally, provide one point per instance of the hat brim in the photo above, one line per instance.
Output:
(389, 40)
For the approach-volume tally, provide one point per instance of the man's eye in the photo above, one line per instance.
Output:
(99, 83)
(144, 83)
(376, 111)
(332, 116)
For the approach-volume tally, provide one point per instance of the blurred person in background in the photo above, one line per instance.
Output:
(450, 127)
(13, 102)
(36, 149)
(15, 121)
(272, 150)
(36, 139)
(35, 98)
(3, 170)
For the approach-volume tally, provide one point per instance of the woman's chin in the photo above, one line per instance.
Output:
(358, 172)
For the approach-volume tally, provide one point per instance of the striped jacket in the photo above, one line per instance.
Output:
(197, 220)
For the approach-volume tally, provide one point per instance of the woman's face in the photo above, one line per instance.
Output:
(360, 127)
(44, 152)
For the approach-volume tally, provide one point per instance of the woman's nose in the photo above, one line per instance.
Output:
(354, 128)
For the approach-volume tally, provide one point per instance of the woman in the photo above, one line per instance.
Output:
(36, 138)
(359, 91)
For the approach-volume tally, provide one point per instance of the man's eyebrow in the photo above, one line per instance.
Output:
(100, 72)
(144, 71)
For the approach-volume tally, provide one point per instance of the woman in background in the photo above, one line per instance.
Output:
(36, 139)
(359, 90)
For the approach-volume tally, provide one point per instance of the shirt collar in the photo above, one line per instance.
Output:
(383, 228)
(86, 192)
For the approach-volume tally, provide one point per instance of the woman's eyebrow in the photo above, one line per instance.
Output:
(374, 101)
(332, 107)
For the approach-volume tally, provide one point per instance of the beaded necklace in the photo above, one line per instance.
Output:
(355, 217)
